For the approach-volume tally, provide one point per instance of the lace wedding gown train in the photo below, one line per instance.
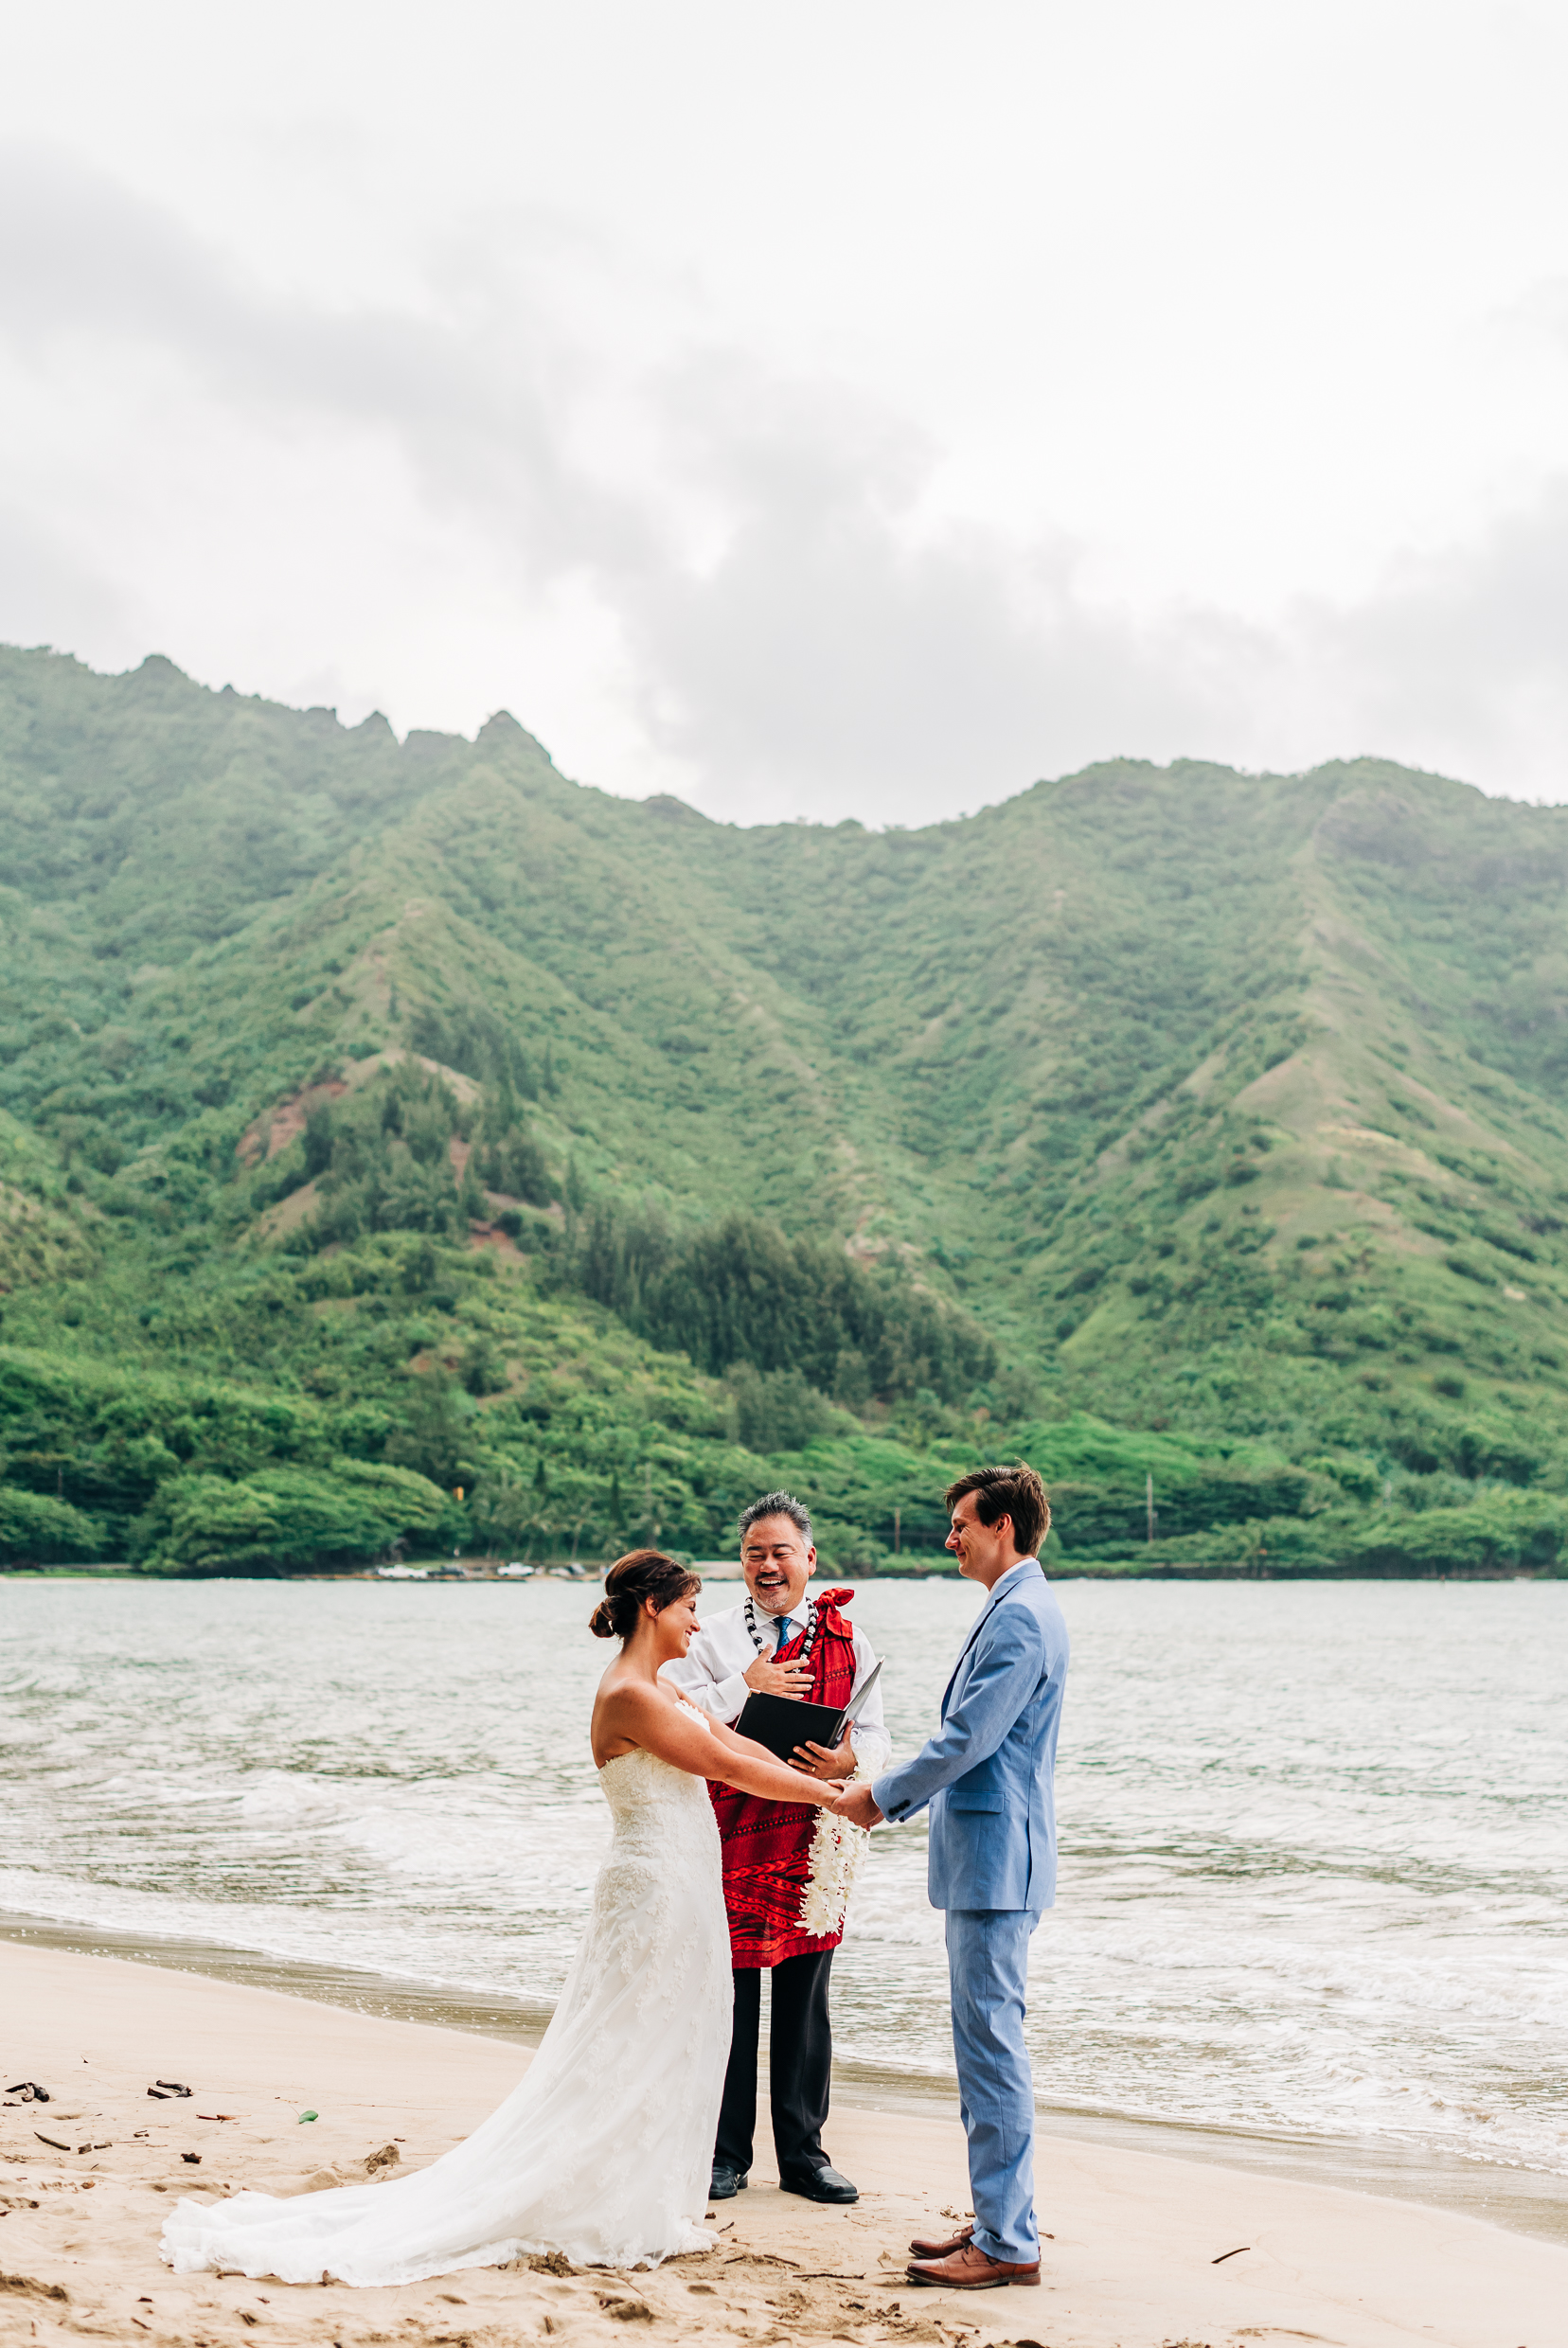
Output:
(604, 2149)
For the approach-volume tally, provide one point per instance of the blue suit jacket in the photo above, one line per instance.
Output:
(987, 1774)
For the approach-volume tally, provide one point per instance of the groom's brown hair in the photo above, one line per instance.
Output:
(1015, 1492)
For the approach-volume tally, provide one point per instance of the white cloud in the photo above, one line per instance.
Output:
(1456, 661)
(50, 590)
(869, 444)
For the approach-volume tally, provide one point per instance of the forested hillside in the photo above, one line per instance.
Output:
(404, 1143)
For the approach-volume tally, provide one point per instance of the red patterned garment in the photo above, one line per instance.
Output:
(767, 1845)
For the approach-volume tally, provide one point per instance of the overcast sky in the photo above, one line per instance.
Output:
(853, 409)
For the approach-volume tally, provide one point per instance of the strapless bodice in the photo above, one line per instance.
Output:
(656, 1808)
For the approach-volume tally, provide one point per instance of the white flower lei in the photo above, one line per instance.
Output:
(836, 1846)
(836, 1850)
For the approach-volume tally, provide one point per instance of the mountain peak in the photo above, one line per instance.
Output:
(157, 677)
(502, 732)
(664, 804)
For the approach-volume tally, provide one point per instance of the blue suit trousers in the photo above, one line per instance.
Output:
(988, 1969)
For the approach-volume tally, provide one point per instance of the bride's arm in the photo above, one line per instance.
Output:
(648, 1718)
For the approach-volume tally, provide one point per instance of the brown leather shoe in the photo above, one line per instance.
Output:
(970, 2269)
(929, 2246)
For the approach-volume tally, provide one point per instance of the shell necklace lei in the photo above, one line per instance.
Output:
(813, 1627)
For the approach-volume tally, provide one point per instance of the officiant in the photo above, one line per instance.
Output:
(776, 1642)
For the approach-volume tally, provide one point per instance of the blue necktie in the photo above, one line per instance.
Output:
(783, 1633)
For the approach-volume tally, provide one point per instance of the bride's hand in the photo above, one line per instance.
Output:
(857, 1805)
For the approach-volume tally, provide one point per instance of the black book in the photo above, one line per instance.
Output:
(782, 1722)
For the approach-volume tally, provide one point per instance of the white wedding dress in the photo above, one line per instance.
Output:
(604, 2149)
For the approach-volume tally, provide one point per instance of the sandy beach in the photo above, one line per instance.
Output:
(1140, 2255)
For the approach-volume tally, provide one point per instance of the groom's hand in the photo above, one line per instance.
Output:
(857, 1804)
(829, 1761)
(765, 1678)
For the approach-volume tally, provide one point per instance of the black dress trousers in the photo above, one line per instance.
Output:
(800, 2061)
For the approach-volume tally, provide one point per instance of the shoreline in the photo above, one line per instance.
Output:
(926, 1570)
(1140, 2251)
(1528, 2203)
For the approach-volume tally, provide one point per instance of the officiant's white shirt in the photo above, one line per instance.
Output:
(713, 1675)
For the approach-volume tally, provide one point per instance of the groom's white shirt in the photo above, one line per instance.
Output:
(714, 1676)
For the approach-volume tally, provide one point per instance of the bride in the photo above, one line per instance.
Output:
(603, 2149)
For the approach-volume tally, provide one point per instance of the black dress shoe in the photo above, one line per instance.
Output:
(727, 2182)
(823, 2184)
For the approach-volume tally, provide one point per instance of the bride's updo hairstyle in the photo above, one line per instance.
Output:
(642, 1573)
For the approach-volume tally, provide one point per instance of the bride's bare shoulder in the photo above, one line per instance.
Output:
(628, 1713)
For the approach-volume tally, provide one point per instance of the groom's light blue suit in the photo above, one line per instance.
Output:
(986, 1778)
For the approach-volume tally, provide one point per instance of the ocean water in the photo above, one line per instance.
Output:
(1314, 1872)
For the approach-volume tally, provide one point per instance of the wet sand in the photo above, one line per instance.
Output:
(1524, 2200)
(1139, 2255)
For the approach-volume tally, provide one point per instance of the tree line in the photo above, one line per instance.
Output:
(742, 1291)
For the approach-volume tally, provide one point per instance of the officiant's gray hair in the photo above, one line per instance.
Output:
(777, 1505)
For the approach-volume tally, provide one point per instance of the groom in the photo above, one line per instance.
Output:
(986, 1776)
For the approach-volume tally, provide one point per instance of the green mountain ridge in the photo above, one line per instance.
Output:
(1166, 1123)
